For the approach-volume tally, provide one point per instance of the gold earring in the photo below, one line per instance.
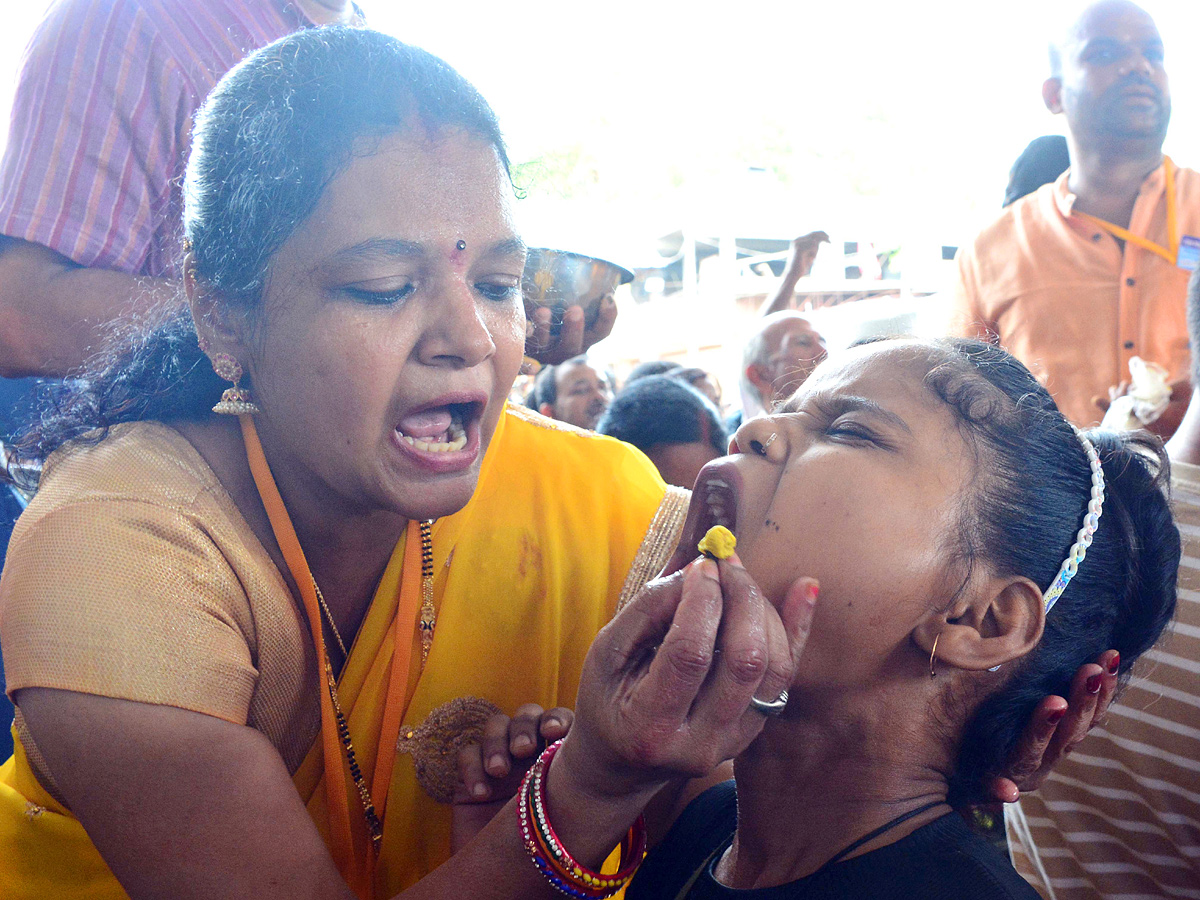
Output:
(236, 401)
(933, 655)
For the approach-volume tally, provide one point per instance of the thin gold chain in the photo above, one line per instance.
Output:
(332, 625)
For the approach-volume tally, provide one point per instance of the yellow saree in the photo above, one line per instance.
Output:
(563, 525)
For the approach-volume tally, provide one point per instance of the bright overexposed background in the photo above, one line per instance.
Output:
(883, 122)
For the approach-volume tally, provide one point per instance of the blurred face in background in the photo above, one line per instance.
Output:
(1112, 82)
(799, 350)
(582, 393)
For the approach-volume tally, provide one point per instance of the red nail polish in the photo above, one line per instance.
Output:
(812, 592)
(1114, 664)
(1056, 716)
(1093, 684)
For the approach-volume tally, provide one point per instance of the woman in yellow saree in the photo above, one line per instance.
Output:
(200, 611)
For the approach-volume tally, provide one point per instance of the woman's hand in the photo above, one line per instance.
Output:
(1057, 726)
(491, 771)
(667, 685)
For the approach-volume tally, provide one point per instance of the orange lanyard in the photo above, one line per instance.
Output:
(1171, 253)
(358, 872)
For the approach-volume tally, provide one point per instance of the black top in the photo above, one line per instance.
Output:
(943, 859)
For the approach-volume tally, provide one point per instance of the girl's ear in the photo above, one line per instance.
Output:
(1001, 620)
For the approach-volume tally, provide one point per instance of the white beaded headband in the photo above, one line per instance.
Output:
(1083, 539)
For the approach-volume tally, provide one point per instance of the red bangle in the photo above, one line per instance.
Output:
(552, 858)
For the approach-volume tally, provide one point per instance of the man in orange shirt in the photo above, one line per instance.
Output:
(1083, 274)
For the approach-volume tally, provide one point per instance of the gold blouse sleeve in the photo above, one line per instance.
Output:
(127, 599)
(658, 545)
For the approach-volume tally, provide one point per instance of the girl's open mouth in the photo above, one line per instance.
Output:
(714, 502)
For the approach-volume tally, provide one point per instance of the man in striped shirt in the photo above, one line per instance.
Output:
(1120, 817)
(90, 180)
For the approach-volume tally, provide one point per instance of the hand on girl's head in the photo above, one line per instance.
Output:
(1056, 727)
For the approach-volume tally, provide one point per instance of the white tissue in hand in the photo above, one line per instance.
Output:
(1147, 399)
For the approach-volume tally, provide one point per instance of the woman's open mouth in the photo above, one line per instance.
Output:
(440, 430)
(444, 435)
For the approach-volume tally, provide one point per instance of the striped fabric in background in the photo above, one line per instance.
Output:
(1120, 817)
(102, 116)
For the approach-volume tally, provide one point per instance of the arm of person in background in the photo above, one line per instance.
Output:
(1169, 421)
(490, 771)
(54, 312)
(85, 181)
(573, 338)
(801, 256)
(185, 805)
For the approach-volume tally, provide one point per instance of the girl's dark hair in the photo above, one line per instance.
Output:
(269, 138)
(1026, 504)
(662, 409)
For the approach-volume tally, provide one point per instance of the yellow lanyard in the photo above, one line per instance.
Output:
(1170, 254)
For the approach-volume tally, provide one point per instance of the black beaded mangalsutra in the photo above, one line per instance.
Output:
(428, 620)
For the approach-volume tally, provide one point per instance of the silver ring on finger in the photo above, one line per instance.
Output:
(770, 707)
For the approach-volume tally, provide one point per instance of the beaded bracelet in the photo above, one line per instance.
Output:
(552, 859)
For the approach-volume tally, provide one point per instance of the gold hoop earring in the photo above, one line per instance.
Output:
(236, 401)
(933, 655)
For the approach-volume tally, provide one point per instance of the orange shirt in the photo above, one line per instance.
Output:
(1065, 299)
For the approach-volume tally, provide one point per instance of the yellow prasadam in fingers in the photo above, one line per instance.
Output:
(718, 543)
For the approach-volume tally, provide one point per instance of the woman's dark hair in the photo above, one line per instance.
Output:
(273, 133)
(662, 409)
(1026, 503)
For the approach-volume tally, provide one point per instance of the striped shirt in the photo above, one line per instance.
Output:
(1120, 817)
(102, 117)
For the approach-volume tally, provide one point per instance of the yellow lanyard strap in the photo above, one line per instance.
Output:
(1170, 254)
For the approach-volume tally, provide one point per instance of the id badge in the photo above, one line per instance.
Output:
(1189, 253)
